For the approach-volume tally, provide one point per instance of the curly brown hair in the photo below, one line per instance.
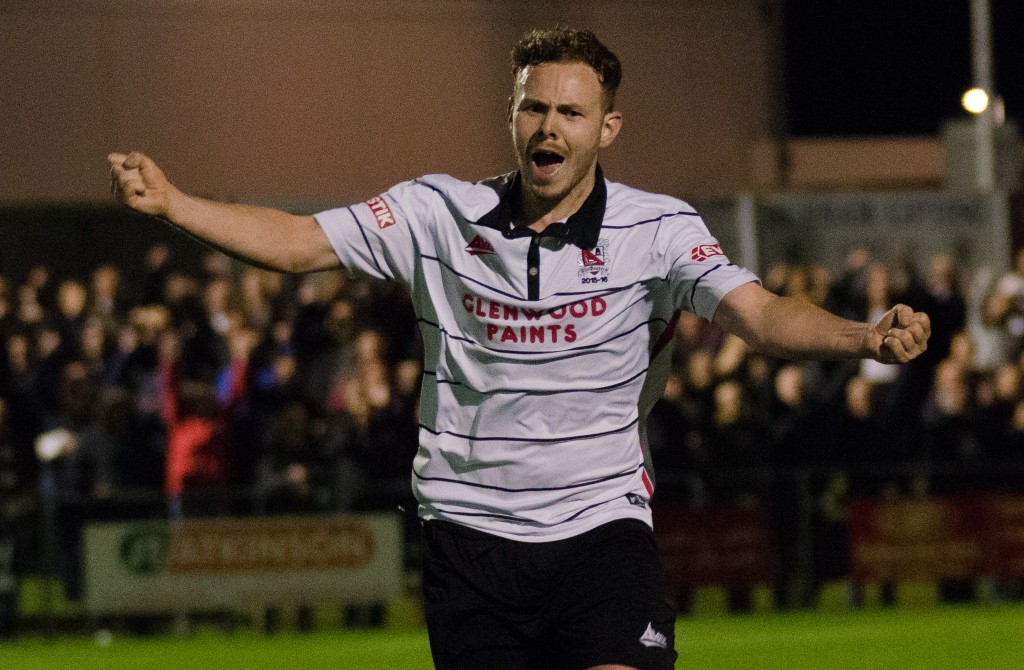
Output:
(570, 45)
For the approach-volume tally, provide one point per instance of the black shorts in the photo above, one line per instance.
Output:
(497, 604)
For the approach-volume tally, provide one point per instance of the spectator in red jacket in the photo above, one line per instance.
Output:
(199, 444)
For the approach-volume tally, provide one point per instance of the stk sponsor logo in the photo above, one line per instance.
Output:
(478, 246)
(381, 212)
(703, 252)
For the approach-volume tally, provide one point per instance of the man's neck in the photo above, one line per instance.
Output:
(538, 214)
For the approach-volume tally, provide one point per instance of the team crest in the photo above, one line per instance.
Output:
(595, 265)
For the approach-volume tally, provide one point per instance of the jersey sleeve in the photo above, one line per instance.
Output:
(698, 272)
(379, 237)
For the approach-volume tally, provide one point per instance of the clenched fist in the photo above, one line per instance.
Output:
(136, 181)
(900, 335)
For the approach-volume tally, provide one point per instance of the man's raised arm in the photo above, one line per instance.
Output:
(796, 329)
(261, 236)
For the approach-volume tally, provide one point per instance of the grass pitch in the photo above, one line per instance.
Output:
(946, 638)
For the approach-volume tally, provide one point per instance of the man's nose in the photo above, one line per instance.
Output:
(549, 125)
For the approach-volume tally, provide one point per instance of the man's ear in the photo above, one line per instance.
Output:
(511, 104)
(610, 128)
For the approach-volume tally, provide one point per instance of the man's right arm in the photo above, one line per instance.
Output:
(260, 236)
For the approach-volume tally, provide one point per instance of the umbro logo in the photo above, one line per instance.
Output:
(636, 500)
(652, 638)
(703, 252)
(478, 246)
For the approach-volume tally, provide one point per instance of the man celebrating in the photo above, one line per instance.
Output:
(545, 299)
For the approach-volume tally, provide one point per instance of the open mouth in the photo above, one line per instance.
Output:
(546, 163)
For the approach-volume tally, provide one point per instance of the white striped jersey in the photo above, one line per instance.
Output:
(543, 353)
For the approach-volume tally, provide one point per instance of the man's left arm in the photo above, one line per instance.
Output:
(796, 329)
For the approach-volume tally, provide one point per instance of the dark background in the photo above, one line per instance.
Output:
(891, 67)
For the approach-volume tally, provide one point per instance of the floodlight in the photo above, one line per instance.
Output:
(975, 100)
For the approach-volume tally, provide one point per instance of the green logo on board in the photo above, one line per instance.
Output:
(144, 549)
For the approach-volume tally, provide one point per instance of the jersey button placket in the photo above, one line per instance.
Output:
(533, 268)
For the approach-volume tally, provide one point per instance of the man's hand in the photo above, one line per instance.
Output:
(136, 181)
(268, 238)
(899, 336)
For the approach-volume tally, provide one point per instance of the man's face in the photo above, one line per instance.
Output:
(558, 124)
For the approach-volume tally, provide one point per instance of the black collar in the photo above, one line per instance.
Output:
(582, 228)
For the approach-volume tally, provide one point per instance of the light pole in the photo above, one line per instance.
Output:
(981, 71)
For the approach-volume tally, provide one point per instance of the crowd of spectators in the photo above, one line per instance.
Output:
(235, 390)
(956, 410)
(225, 390)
